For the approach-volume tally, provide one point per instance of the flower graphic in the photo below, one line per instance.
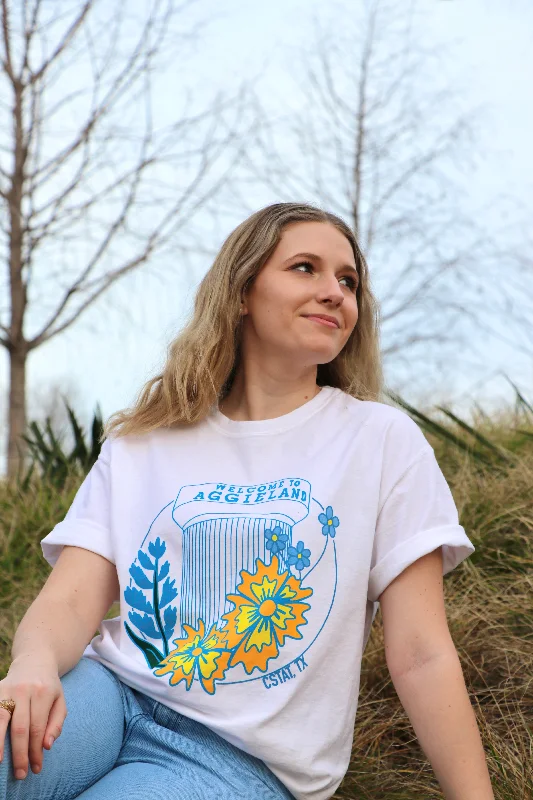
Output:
(198, 655)
(275, 540)
(153, 622)
(298, 557)
(269, 608)
(329, 522)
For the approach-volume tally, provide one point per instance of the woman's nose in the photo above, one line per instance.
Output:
(329, 290)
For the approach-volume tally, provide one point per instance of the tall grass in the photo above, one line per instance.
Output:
(489, 604)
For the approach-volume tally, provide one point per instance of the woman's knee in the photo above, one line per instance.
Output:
(93, 693)
(90, 741)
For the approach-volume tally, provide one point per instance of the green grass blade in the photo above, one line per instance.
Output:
(25, 482)
(476, 434)
(38, 446)
(40, 442)
(96, 432)
(58, 454)
(80, 452)
(439, 430)
(520, 397)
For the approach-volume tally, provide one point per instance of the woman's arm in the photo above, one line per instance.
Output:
(436, 700)
(428, 678)
(64, 616)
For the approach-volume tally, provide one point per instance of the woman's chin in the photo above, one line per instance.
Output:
(321, 356)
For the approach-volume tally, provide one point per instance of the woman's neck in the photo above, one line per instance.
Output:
(266, 399)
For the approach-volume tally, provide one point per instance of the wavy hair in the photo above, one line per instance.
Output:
(202, 360)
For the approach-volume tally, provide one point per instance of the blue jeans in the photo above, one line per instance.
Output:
(119, 744)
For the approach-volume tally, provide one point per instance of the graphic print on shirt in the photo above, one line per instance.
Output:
(243, 597)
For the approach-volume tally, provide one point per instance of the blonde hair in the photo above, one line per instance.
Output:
(202, 360)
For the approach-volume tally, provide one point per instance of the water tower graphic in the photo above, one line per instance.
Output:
(223, 529)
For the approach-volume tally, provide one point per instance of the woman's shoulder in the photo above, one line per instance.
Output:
(375, 410)
(381, 418)
(117, 446)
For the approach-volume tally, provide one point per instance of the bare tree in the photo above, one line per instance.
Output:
(378, 139)
(98, 173)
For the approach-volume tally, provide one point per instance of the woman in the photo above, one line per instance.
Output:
(248, 513)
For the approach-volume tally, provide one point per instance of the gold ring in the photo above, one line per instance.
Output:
(9, 705)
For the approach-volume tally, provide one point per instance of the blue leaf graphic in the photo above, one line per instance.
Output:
(170, 617)
(164, 571)
(140, 578)
(145, 625)
(145, 561)
(136, 599)
(157, 548)
(169, 592)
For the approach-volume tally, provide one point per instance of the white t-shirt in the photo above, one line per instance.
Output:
(250, 556)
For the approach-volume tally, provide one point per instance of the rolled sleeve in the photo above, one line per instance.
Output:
(87, 522)
(417, 516)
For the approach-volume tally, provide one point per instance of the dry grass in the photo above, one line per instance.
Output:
(489, 604)
(489, 601)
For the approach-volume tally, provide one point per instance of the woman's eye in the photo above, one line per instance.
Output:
(352, 284)
(303, 264)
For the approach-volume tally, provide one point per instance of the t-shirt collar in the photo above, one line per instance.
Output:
(285, 422)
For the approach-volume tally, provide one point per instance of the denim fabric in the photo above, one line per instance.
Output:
(119, 744)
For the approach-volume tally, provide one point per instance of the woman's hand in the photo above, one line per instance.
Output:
(33, 683)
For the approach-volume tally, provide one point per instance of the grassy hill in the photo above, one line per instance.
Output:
(489, 603)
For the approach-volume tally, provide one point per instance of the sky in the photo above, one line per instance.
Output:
(108, 355)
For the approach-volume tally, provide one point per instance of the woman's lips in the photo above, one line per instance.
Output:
(323, 321)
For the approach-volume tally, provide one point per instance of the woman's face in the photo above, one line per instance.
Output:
(311, 272)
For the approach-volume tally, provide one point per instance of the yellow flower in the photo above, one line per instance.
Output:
(197, 653)
(268, 609)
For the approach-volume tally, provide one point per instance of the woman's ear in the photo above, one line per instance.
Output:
(247, 287)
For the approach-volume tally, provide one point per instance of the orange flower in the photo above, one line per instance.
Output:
(197, 654)
(268, 609)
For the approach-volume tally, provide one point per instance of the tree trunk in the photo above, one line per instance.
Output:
(17, 412)
(18, 347)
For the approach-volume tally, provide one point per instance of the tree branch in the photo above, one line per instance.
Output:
(122, 83)
(7, 63)
(65, 41)
(210, 153)
(29, 32)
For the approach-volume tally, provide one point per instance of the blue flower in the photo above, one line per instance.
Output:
(153, 622)
(145, 624)
(140, 578)
(275, 540)
(329, 522)
(145, 561)
(136, 599)
(157, 548)
(170, 616)
(299, 557)
(169, 592)
(164, 571)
